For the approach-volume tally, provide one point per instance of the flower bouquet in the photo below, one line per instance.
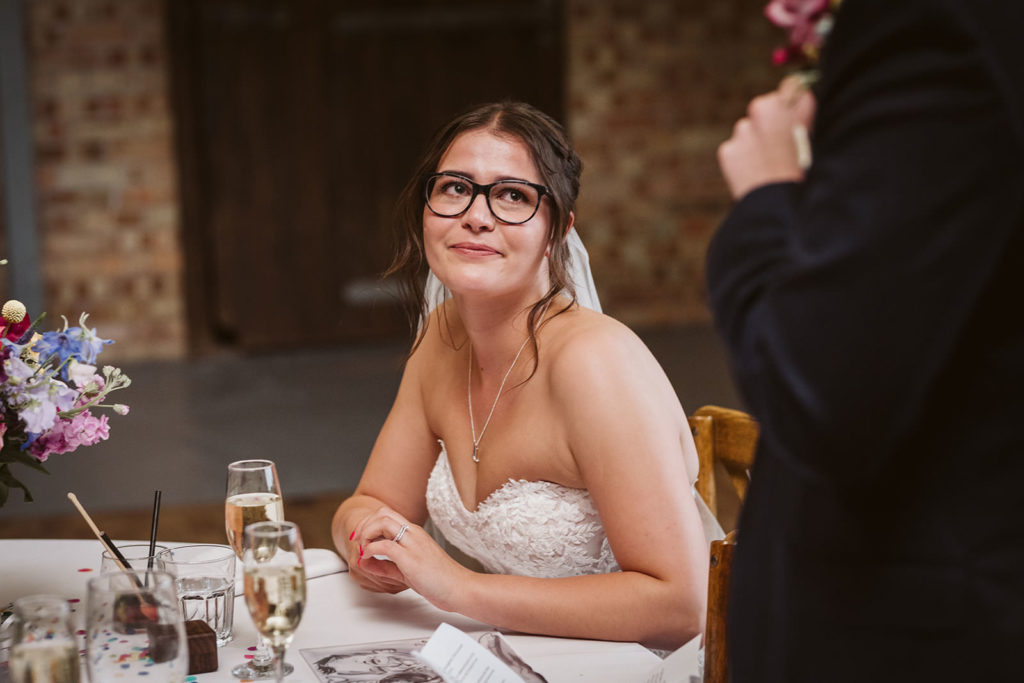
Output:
(49, 388)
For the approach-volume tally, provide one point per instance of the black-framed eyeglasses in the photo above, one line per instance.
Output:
(511, 201)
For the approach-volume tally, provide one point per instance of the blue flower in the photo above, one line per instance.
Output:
(79, 343)
(58, 347)
(90, 342)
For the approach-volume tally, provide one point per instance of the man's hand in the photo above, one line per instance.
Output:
(764, 147)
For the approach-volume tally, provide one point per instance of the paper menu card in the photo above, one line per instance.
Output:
(448, 655)
(470, 658)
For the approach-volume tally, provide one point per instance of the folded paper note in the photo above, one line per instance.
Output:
(460, 659)
(682, 666)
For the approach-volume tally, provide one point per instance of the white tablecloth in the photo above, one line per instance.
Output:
(338, 612)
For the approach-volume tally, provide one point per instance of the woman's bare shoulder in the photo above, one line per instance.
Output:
(586, 337)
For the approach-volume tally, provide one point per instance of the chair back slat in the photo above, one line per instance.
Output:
(725, 439)
(704, 440)
(716, 665)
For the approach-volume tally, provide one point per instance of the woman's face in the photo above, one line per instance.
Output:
(474, 253)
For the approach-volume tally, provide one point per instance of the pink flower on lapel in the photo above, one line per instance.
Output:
(806, 21)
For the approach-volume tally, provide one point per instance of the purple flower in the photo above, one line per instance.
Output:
(41, 401)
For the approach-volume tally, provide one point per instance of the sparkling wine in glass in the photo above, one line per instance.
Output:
(253, 495)
(275, 583)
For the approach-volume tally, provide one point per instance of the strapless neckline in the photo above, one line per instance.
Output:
(501, 493)
(530, 528)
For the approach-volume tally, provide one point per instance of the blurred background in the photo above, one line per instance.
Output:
(212, 180)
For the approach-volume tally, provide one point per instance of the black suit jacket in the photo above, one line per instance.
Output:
(874, 315)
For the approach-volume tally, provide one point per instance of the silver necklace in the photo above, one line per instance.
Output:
(469, 397)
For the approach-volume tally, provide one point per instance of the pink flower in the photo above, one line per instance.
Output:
(14, 331)
(3, 430)
(83, 429)
(803, 21)
(91, 429)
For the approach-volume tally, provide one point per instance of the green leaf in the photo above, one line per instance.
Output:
(9, 481)
(29, 461)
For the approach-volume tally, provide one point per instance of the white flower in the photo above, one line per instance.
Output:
(81, 373)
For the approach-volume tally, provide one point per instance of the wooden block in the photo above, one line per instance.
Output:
(163, 642)
(202, 647)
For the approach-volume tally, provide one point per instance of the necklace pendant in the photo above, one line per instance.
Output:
(475, 459)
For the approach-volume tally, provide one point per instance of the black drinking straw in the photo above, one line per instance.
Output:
(152, 528)
(114, 550)
(119, 559)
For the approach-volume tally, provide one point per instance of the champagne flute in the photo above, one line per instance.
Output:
(253, 495)
(275, 583)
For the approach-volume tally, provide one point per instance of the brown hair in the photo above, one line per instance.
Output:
(559, 168)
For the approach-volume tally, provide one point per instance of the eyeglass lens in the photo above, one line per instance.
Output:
(511, 201)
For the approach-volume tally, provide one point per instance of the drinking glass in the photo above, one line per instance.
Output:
(275, 583)
(205, 583)
(253, 495)
(137, 554)
(133, 627)
(43, 647)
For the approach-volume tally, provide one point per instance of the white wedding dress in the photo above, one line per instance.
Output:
(531, 528)
(526, 528)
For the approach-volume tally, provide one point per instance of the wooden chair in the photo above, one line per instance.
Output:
(716, 661)
(727, 438)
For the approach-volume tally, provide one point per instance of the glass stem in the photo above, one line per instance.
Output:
(279, 663)
(263, 657)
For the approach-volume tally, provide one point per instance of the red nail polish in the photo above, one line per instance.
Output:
(352, 535)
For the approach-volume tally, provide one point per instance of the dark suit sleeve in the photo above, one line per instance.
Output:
(842, 298)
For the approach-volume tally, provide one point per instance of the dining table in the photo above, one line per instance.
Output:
(337, 613)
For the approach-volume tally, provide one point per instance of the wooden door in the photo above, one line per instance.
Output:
(298, 123)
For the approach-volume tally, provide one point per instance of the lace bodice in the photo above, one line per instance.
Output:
(527, 528)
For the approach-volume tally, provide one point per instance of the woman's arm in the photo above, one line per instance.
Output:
(395, 477)
(623, 425)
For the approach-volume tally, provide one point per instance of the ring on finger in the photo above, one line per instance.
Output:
(401, 533)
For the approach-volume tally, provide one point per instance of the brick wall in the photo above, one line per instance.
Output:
(106, 196)
(653, 87)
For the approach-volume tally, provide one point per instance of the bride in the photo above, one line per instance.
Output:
(540, 436)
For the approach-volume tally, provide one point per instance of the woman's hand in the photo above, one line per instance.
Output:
(361, 565)
(764, 147)
(415, 561)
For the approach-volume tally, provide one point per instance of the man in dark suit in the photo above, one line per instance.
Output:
(872, 310)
